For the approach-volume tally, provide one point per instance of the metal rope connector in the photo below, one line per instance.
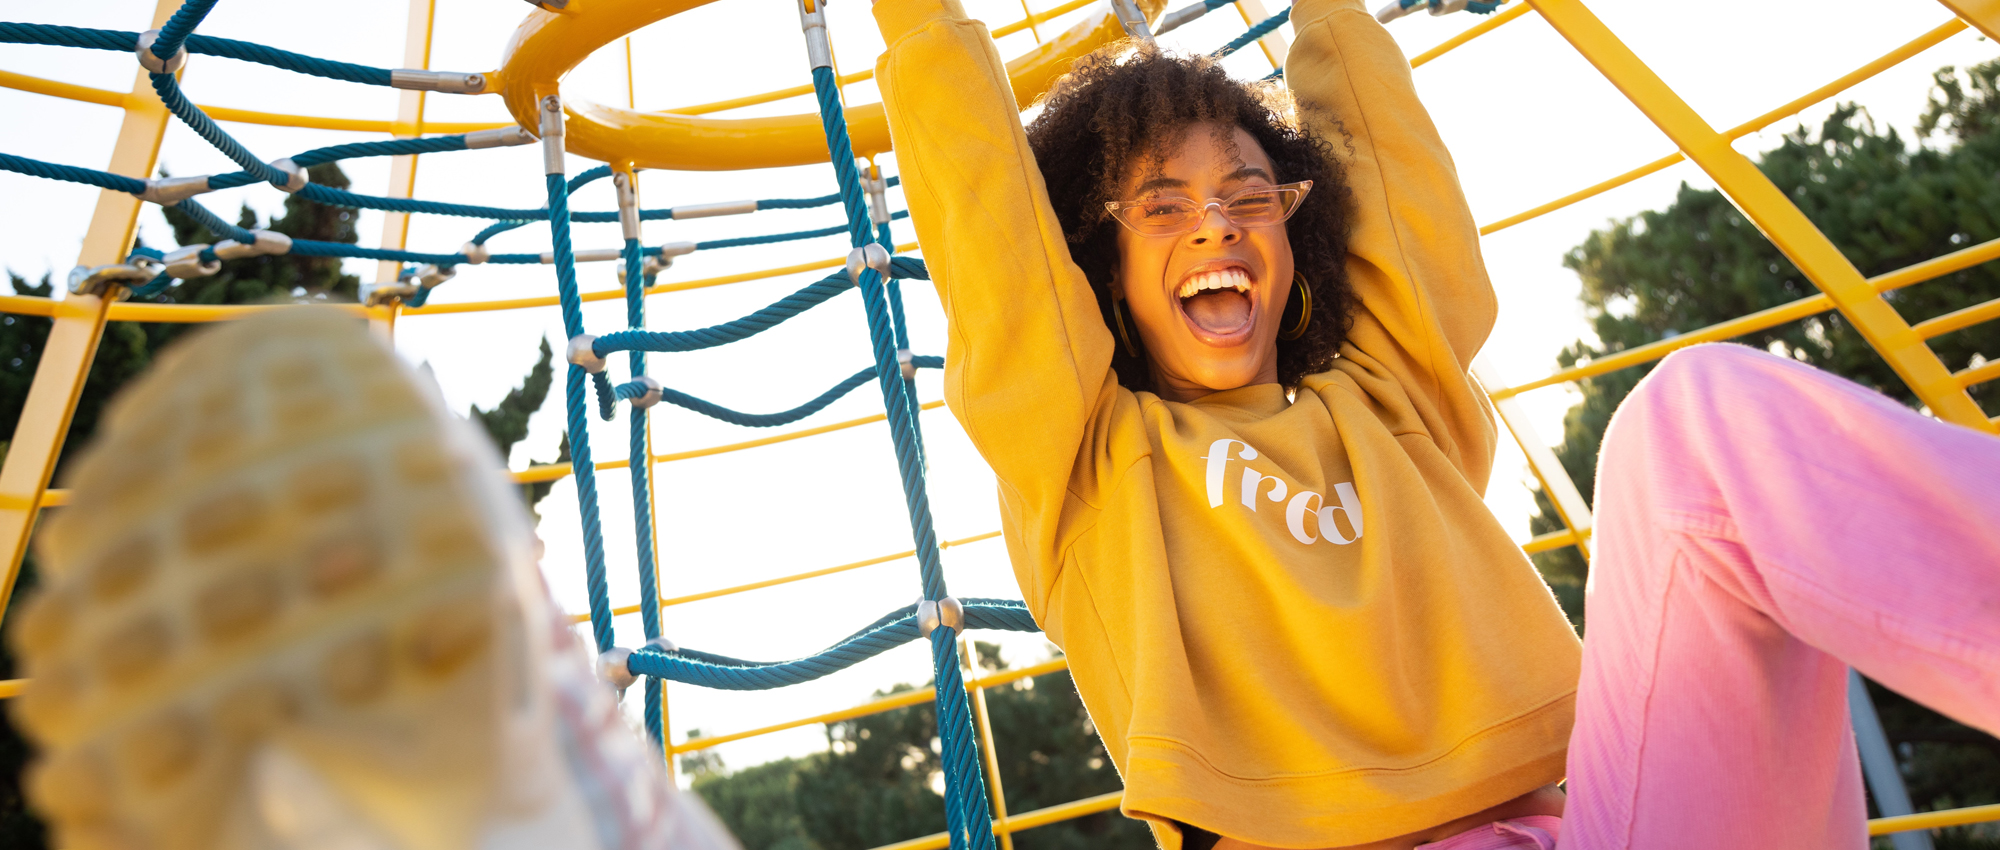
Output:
(504, 137)
(878, 195)
(662, 644)
(688, 211)
(167, 191)
(581, 354)
(552, 134)
(1181, 17)
(386, 294)
(1397, 8)
(652, 396)
(551, 5)
(429, 276)
(185, 262)
(152, 62)
(649, 268)
(449, 82)
(474, 253)
(812, 19)
(87, 280)
(267, 243)
(614, 668)
(298, 175)
(627, 184)
(945, 612)
(869, 256)
(909, 363)
(1133, 20)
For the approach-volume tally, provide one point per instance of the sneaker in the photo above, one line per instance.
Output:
(293, 603)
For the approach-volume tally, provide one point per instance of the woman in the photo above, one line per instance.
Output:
(1213, 340)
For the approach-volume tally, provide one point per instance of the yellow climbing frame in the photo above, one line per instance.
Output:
(623, 135)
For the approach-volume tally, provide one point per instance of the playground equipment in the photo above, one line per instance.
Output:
(554, 38)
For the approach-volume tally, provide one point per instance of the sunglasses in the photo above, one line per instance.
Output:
(1256, 206)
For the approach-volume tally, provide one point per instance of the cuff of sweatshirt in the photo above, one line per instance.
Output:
(1308, 12)
(898, 18)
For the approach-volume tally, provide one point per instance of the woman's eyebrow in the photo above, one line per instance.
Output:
(1247, 172)
(1160, 183)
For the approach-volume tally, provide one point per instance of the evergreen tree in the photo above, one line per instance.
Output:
(1886, 205)
(880, 779)
(128, 348)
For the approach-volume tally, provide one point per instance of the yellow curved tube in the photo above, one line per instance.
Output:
(550, 43)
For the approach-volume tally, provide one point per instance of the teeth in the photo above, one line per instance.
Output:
(1230, 278)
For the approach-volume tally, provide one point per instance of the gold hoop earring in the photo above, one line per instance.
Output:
(1304, 295)
(1118, 324)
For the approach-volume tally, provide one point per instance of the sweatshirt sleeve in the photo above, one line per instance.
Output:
(1028, 362)
(1426, 304)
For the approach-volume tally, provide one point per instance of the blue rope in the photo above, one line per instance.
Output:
(966, 814)
(812, 295)
(343, 198)
(579, 416)
(224, 229)
(198, 121)
(900, 627)
(765, 420)
(180, 26)
(1260, 30)
(607, 398)
(740, 241)
(71, 173)
(14, 32)
(642, 494)
(1478, 8)
(393, 147)
(575, 183)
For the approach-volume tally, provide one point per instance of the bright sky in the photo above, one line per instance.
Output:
(1527, 119)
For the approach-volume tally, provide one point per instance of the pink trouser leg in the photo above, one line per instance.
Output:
(1760, 525)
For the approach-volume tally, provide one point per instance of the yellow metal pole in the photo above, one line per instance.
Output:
(1773, 213)
(1028, 15)
(1984, 14)
(1273, 45)
(79, 324)
(1556, 482)
(992, 755)
(403, 169)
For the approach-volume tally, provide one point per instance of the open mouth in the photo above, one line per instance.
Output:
(1217, 300)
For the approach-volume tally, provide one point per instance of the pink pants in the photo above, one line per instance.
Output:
(1760, 526)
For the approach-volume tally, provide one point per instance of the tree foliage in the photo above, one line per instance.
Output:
(1886, 204)
(880, 779)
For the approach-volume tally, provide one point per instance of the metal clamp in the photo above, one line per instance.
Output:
(552, 134)
(298, 175)
(87, 280)
(1133, 20)
(429, 276)
(167, 191)
(386, 294)
(449, 82)
(662, 644)
(652, 396)
(504, 137)
(268, 242)
(627, 184)
(152, 62)
(909, 363)
(676, 249)
(649, 268)
(614, 667)
(474, 253)
(812, 19)
(1180, 17)
(1446, 7)
(581, 354)
(878, 195)
(1396, 8)
(551, 5)
(945, 612)
(869, 256)
(185, 262)
(688, 211)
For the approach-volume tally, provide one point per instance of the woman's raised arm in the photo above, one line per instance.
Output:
(1028, 365)
(1413, 258)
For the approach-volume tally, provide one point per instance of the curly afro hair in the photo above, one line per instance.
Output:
(1117, 110)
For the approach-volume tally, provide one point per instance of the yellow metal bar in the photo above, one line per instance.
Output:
(1979, 374)
(1040, 17)
(77, 327)
(1555, 480)
(403, 169)
(1934, 820)
(1273, 44)
(1492, 22)
(1552, 540)
(1984, 14)
(1884, 62)
(106, 97)
(875, 707)
(1030, 820)
(991, 754)
(1959, 320)
(1774, 214)
(10, 688)
(1029, 16)
(27, 305)
(666, 602)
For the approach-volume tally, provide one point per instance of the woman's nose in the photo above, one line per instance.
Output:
(1215, 228)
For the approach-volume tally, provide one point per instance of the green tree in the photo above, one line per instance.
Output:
(1886, 204)
(879, 780)
(128, 348)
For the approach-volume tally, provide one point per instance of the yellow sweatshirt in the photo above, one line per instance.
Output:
(1294, 622)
